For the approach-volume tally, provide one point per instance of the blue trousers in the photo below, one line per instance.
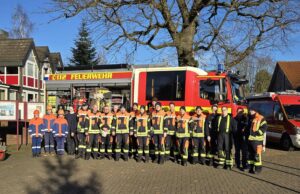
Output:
(36, 145)
(60, 145)
(49, 142)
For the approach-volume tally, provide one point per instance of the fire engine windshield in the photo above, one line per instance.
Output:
(292, 111)
(213, 90)
(238, 92)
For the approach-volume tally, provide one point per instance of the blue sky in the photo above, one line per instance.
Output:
(60, 35)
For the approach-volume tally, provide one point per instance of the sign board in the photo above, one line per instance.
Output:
(8, 111)
(33, 106)
(89, 76)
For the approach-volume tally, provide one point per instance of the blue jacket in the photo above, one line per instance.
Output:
(48, 122)
(60, 127)
(36, 126)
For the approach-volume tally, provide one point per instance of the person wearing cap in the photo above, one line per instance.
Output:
(158, 133)
(211, 138)
(60, 132)
(199, 132)
(257, 128)
(82, 128)
(35, 129)
(71, 118)
(240, 137)
(121, 130)
(105, 133)
(142, 126)
(48, 120)
(93, 133)
(151, 106)
(183, 132)
(170, 127)
(226, 125)
(132, 138)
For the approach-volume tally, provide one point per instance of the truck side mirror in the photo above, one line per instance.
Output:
(280, 116)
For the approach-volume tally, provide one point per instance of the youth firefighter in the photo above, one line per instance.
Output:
(93, 133)
(121, 131)
(199, 131)
(240, 137)
(258, 128)
(132, 138)
(212, 136)
(35, 131)
(71, 118)
(82, 128)
(105, 132)
(60, 132)
(142, 132)
(48, 120)
(225, 127)
(183, 135)
(170, 127)
(158, 133)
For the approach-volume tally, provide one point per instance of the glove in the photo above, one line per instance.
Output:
(72, 134)
(86, 133)
(130, 133)
(135, 135)
(165, 134)
(208, 138)
(264, 148)
(113, 133)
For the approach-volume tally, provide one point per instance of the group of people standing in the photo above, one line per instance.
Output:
(153, 134)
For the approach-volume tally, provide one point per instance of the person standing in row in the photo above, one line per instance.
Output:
(82, 128)
(226, 126)
(142, 133)
(105, 133)
(35, 129)
(60, 132)
(93, 133)
(170, 127)
(183, 135)
(198, 131)
(212, 137)
(132, 138)
(71, 118)
(48, 120)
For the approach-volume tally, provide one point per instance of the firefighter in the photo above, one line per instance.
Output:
(72, 127)
(105, 132)
(212, 125)
(115, 109)
(226, 125)
(121, 130)
(158, 133)
(151, 106)
(240, 137)
(132, 138)
(183, 135)
(93, 133)
(199, 132)
(48, 120)
(60, 132)
(142, 133)
(36, 126)
(170, 127)
(82, 128)
(257, 127)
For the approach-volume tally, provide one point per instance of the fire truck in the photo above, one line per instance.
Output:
(185, 86)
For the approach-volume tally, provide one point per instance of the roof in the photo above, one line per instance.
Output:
(55, 59)
(95, 67)
(291, 69)
(42, 52)
(14, 52)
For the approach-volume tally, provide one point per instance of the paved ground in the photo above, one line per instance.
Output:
(22, 174)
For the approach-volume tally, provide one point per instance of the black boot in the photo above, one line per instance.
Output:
(138, 158)
(102, 156)
(251, 169)
(258, 169)
(155, 159)
(161, 159)
(194, 160)
(87, 156)
(202, 161)
(109, 156)
(184, 163)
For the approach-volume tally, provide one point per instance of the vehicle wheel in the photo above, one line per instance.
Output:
(286, 143)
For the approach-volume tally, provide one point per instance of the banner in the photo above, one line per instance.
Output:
(88, 76)
(8, 111)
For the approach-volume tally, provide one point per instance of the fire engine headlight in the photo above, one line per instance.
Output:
(297, 130)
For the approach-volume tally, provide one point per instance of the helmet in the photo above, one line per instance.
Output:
(61, 112)
(49, 107)
(36, 112)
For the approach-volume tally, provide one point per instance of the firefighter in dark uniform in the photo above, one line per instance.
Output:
(240, 137)
(132, 138)
(226, 125)
(199, 128)
(105, 133)
(71, 118)
(93, 133)
(158, 133)
(121, 130)
(170, 127)
(82, 128)
(257, 128)
(142, 133)
(183, 134)
(212, 131)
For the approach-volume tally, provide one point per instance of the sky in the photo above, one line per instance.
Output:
(59, 35)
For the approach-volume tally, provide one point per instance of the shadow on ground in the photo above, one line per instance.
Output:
(63, 178)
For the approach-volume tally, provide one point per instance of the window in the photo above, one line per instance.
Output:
(292, 111)
(30, 69)
(30, 97)
(2, 94)
(12, 95)
(168, 86)
(12, 70)
(36, 72)
(213, 90)
(2, 70)
(237, 91)
(264, 108)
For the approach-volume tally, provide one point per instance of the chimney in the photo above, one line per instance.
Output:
(3, 34)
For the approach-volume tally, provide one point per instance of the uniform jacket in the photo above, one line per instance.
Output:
(60, 127)
(48, 120)
(36, 127)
